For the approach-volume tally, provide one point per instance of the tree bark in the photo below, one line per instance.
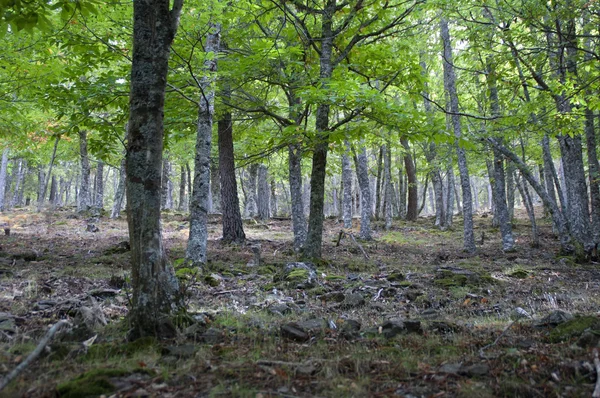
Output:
(99, 187)
(412, 206)
(450, 84)
(449, 195)
(198, 235)
(378, 185)
(17, 197)
(297, 203)
(155, 288)
(526, 197)
(182, 183)
(3, 173)
(120, 192)
(347, 187)
(233, 230)
(215, 185)
(249, 187)
(166, 200)
(362, 172)
(83, 198)
(263, 200)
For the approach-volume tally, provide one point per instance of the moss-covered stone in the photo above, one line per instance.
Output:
(452, 280)
(574, 328)
(93, 383)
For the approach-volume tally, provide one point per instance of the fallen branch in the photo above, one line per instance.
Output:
(596, 393)
(482, 349)
(36, 353)
(359, 245)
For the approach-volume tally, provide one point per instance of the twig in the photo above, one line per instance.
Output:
(36, 353)
(378, 294)
(339, 240)
(596, 393)
(482, 349)
(359, 245)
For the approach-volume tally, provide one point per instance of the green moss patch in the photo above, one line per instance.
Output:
(93, 383)
(573, 328)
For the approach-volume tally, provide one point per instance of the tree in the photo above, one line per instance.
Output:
(155, 287)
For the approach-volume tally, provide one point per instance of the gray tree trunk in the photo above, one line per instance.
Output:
(362, 172)
(120, 192)
(449, 196)
(99, 186)
(166, 200)
(3, 174)
(182, 183)
(378, 184)
(215, 185)
(198, 235)
(297, 203)
(347, 184)
(155, 295)
(526, 197)
(387, 188)
(274, 207)
(450, 84)
(251, 205)
(83, 198)
(17, 197)
(44, 186)
(263, 197)
(412, 205)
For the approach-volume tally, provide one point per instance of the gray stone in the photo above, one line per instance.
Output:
(392, 328)
(353, 300)
(450, 368)
(8, 325)
(180, 351)
(554, 319)
(413, 326)
(213, 336)
(279, 309)
(395, 277)
(293, 331)
(588, 339)
(475, 370)
(44, 305)
(379, 307)
(313, 326)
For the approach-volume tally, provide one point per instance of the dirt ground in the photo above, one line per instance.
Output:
(405, 315)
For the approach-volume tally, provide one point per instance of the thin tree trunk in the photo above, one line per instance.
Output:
(412, 206)
(450, 84)
(233, 230)
(99, 187)
(120, 192)
(387, 188)
(83, 203)
(182, 183)
(251, 205)
(378, 184)
(198, 235)
(44, 187)
(347, 184)
(263, 199)
(362, 172)
(3, 173)
(449, 196)
(297, 203)
(215, 185)
(526, 197)
(167, 186)
(274, 204)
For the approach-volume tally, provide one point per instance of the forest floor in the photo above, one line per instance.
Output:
(412, 316)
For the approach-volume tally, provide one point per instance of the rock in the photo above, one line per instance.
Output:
(444, 327)
(180, 351)
(453, 368)
(26, 256)
(213, 279)
(429, 313)
(353, 300)
(212, 336)
(379, 307)
(413, 326)
(337, 297)
(392, 328)
(475, 370)
(279, 309)
(412, 294)
(454, 276)
(92, 228)
(395, 277)
(313, 326)
(103, 293)
(8, 325)
(44, 305)
(194, 331)
(554, 319)
(349, 329)
(293, 331)
(304, 274)
(120, 248)
(589, 338)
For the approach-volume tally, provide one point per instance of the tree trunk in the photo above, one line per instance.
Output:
(449, 196)
(412, 206)
(508, 242)
(526, 197)
(314, 237)
(378, 185)
(274, 208)
(44, 186)
(83, 198)
(198, 235)
(3, 173)
(297, 203)
(99, 187)
(362, 172)
(387, 189)
(215, 185)
(251, 205)
(166, 200)
(263, 199)
(233, 230)
(155, 288)
(182, 183)
(17, 197)
(450, 84)
(347, 187)
(52, 198)
(120, 192)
